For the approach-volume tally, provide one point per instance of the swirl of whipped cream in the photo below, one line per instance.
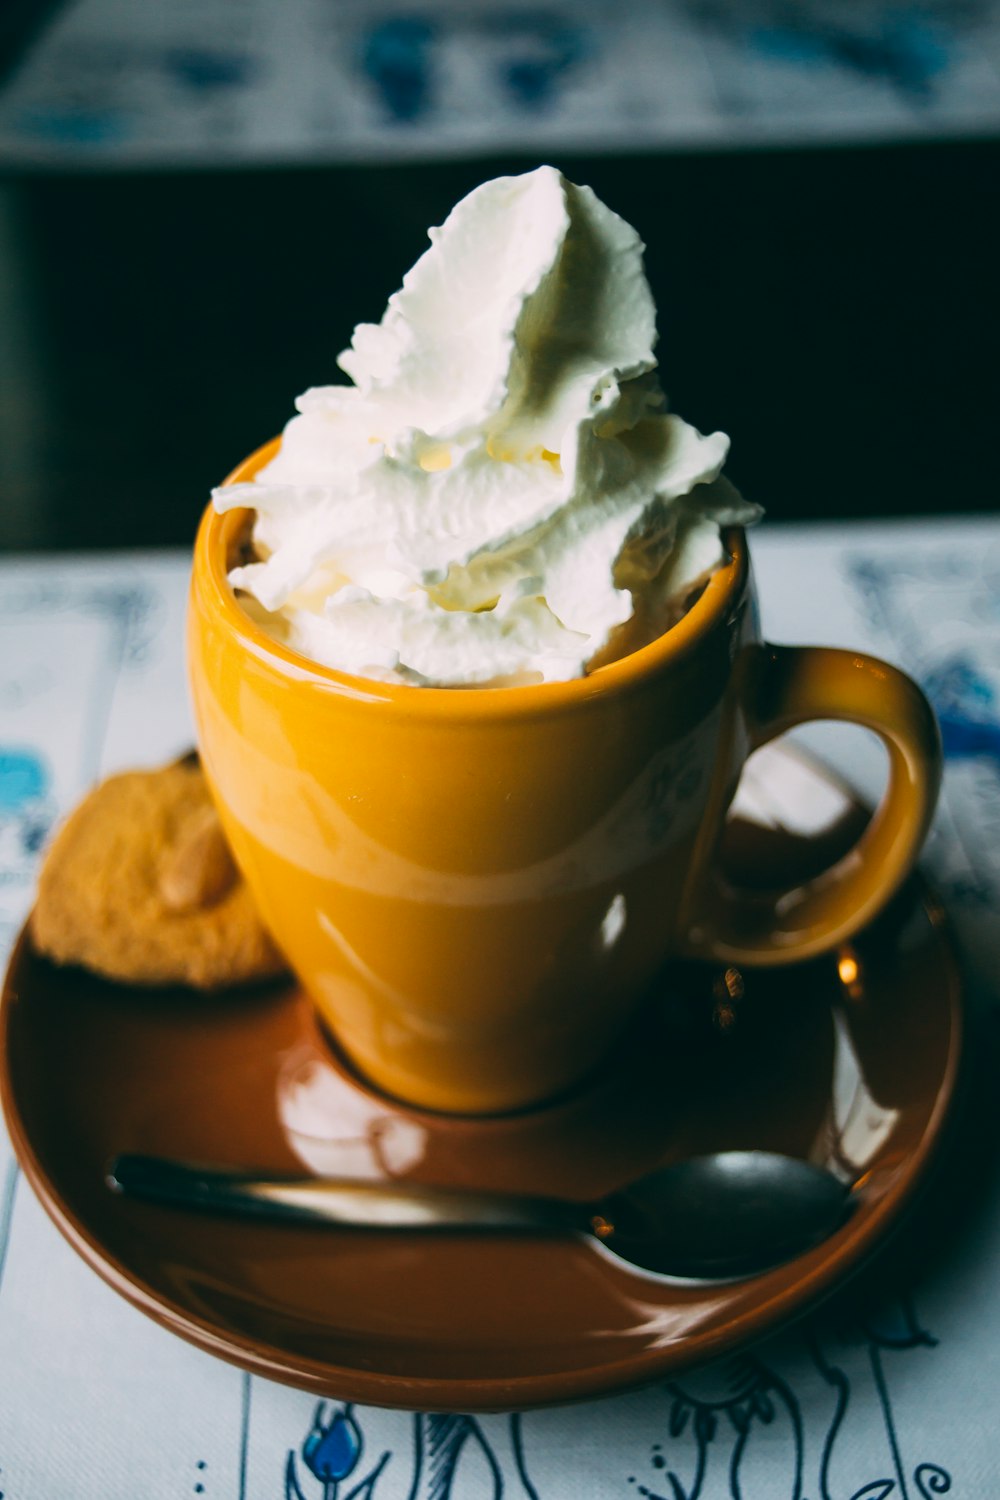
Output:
(502, 486)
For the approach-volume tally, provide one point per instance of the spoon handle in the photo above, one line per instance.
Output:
(367, 1205)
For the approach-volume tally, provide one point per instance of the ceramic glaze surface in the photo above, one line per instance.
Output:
(477, 886)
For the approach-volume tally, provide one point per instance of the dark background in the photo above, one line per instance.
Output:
(834, 310)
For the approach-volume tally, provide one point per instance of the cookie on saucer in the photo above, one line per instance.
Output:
(140, 886)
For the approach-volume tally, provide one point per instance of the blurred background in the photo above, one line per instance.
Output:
(200, 198)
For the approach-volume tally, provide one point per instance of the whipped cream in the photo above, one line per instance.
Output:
(502, 487)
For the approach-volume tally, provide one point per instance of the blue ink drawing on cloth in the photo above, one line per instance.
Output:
(333, 1450)
(27, 808)
(815, 1421)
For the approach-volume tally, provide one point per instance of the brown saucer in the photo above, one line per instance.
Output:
(850, 1060)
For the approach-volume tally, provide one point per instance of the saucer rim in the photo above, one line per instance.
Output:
(823, 1269)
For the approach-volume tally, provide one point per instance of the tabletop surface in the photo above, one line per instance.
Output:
(890, 1390)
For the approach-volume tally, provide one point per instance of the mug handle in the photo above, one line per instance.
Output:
(791, 685)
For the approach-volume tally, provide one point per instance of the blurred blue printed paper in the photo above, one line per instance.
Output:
(109, 82)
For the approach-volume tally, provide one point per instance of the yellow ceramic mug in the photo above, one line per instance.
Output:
(474, 886)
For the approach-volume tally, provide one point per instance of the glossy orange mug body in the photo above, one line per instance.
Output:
(475, 886)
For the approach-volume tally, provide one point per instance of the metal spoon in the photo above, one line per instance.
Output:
(721, 1216)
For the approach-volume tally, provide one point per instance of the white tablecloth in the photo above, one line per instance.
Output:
(891, 1390)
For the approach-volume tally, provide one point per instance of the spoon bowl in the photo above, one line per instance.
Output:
(715, 1217)
(725, 1215)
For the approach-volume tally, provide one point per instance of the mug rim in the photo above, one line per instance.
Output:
(714, 605)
